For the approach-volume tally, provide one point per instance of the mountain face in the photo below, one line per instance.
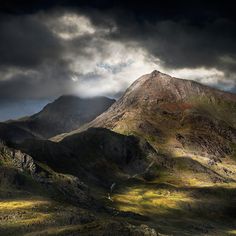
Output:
(192, 128)
(192, 124)
(96, 155)
(63, 115)
(169, 112)
(20, 171)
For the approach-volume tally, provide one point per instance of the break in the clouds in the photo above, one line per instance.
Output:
(90, 50)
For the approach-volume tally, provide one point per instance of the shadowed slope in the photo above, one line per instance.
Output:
(63, 115)
(97, 155)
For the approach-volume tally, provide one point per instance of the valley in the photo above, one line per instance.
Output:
(161, 160)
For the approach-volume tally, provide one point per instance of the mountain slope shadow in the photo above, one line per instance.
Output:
(97, 155)
(63, 115)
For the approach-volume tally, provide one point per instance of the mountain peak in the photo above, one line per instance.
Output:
(66, 113)
(155, 73)
(158, 85)
(159, 74)
(153, 95)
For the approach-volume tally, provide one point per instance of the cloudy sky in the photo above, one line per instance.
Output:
(92, 48)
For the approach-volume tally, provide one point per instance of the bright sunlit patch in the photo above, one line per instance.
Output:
(148, 201)
(21, 204)
(232, 232)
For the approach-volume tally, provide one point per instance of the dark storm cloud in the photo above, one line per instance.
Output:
(202, 35)
(179, 40)
(26, 42)
(37, 62)
(180, 45)
(180, 33)
(32, 63)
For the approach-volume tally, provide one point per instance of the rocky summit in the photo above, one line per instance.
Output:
(161, 160)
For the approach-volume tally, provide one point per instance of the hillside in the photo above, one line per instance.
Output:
(179, 118)
(98, 156)
(192, 127)
(163, 102)
(63, 115)
(37, 200)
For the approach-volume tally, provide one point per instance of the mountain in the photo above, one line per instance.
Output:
(179, 118)
(192, 129)
(171, 112)
(43, 186)
(97, 155)
(63, 115)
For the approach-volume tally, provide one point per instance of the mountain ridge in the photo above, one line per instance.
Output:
(172, 94)
(177, 117)
(65, 114)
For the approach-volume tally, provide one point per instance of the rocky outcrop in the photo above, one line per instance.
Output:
(18, 162)
(205, 144)
(23, 161)
(204, 122)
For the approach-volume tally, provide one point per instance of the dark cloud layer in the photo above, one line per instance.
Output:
(181, 33)
(48, 48)
(26, 42)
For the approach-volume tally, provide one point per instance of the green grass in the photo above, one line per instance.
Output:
(175, 210)
(41, 216)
